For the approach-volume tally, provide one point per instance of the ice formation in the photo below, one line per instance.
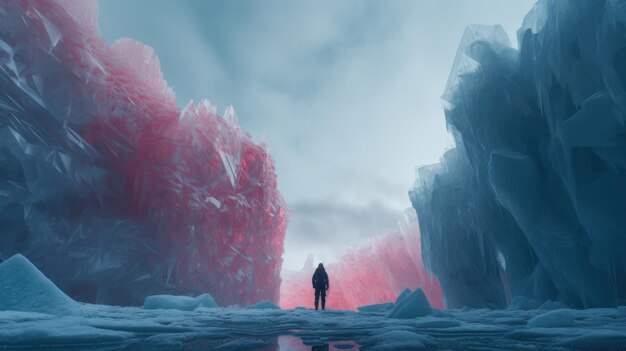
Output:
(375, 272)
(412, 305)
(24, 288)
(406, 292)
(531, 201)
(110, 188)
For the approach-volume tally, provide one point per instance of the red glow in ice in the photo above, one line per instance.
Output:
(203, 192)
(375, 272)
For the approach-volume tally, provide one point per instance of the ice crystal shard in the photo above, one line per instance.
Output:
(111, 189)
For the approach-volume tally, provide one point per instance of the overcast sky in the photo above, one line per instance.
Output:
(345, 93)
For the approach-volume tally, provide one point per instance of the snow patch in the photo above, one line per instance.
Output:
(24, 288)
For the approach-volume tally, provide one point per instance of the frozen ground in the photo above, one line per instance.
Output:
(95, 327)
(35, 314)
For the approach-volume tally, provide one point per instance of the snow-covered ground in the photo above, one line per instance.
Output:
(97, 327)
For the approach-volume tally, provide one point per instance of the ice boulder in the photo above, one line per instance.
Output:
(556, 318)
(24, 288)
(183, 303)
(530, 202)
(414, 305)
(406, 292)
(110, 188)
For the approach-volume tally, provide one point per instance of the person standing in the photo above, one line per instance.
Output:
(321, 285)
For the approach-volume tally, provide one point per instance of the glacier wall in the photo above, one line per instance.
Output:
(109, 187)
(375, 271)
(531, 202)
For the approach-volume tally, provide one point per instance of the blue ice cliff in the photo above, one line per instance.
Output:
(532, 201)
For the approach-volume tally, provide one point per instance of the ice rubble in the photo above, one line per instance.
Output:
(531, 201)
(111, 189)
(374, 272)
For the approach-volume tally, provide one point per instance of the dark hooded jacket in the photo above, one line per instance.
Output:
(320, 279)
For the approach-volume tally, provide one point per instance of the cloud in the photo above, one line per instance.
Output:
(326, 227)
(320, 221)
(346, 93)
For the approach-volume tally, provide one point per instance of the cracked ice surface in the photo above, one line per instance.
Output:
(531, 201)
(376, 271)
(109, 187)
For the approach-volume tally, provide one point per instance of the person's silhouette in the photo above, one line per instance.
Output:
(320, 284)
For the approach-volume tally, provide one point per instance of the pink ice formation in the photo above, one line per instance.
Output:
(113, 190)
(375, 272)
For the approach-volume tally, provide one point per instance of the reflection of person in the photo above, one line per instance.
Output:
(320, 284)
